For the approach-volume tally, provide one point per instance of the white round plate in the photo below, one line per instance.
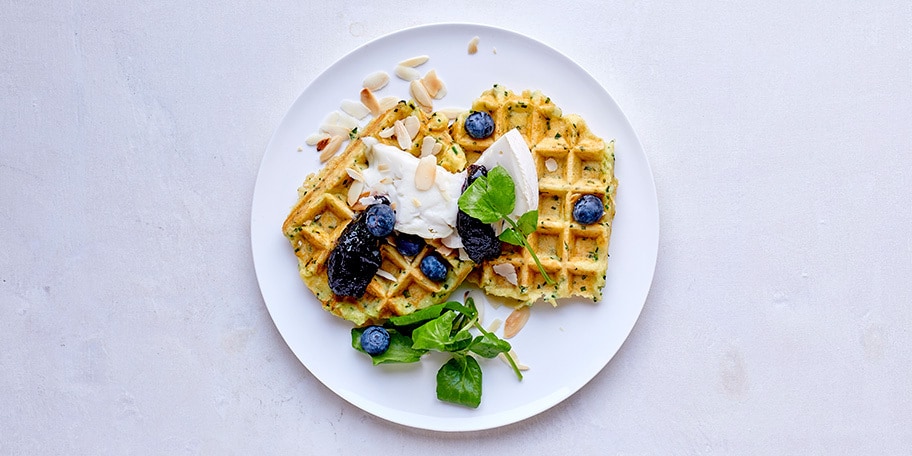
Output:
(564, 347)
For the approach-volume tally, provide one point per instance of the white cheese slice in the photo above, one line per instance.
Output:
(429, 213)
(512, 152)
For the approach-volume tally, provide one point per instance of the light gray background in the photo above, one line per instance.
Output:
(778, 321)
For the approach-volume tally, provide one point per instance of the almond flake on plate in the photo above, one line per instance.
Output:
(376, 81)
(331, 148)
(402, 135)
(355, 109)
(427, 146)
(407, 73)
(412, 125)
(315, 138)
(414, 61)
(386, 275)
(387, 103)
(420, 94)
(515, 322)
(369, 100)
(473, 45)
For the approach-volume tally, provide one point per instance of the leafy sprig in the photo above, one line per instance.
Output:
(492, 198)
(445, 328)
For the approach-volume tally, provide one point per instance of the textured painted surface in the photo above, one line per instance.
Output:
(778, 322)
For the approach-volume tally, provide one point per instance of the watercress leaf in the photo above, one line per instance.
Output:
(510, 236)
(435, 334)
(400, 349)
(428, 313)
(489, 345)
(528, 222)
(501, 191)
(461, 341)
(459, 381)
(474, 201)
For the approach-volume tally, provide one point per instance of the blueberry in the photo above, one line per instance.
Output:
(479, 125)
(434, 267)
(409, 244)
(380, 220)
(588, 209)
(375, 340)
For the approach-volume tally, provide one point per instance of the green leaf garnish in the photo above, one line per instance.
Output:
(492, 198)
(459, 381)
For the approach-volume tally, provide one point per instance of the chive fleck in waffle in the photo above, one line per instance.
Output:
(571, 161)
(323, 211)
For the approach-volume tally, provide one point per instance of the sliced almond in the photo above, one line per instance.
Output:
(473, 45)
(495, 325)
(402, 135)
(507, 271)
(331, 148)
(335, 130)
(416, 202)
(354, 174)
(321, 144)
(376, 81)
(444, 250)
(383, 167)
(420, 94)
(387, 132)
(412, 125)
(407, 73)
(386, 275)
(369, 100)
(512, 355)
(426, 173)
(432, 83)
(437, 148)
(427, 146)
(515, 322)
(354, 192)
(315, 138)
(551, 164)
(355, 109)
(347, 121)
(414, 61)
(387, 103)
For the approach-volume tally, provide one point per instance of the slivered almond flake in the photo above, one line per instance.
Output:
(507, 271)
(412, 125)
(369, 100)
(437, 148)
(385, 181)
(463, 256)
(420, 94)
(416, 202)
(387, 103)
(414, 61)
(402, 135)
(495, 325)
(321, 144)
(387, 132)
(432, 83)
(551, 164)
(315, 138)
(425, 173)
(331, 118)
(354, 174)
(444, 250)
(515, 322)
(407, 73)
(376, 81)
(473, 45)
(386, 275)
(355, 109)
(347, 121)
(427, 146)
(383, 167)
(331, 148)
(335, 130)
(354, 192)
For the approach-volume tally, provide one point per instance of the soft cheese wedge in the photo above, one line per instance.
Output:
(512, 152)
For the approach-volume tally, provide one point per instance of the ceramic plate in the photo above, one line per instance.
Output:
(564, 347)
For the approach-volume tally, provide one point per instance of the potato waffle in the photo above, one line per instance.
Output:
(571, 161)
(323, 211)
